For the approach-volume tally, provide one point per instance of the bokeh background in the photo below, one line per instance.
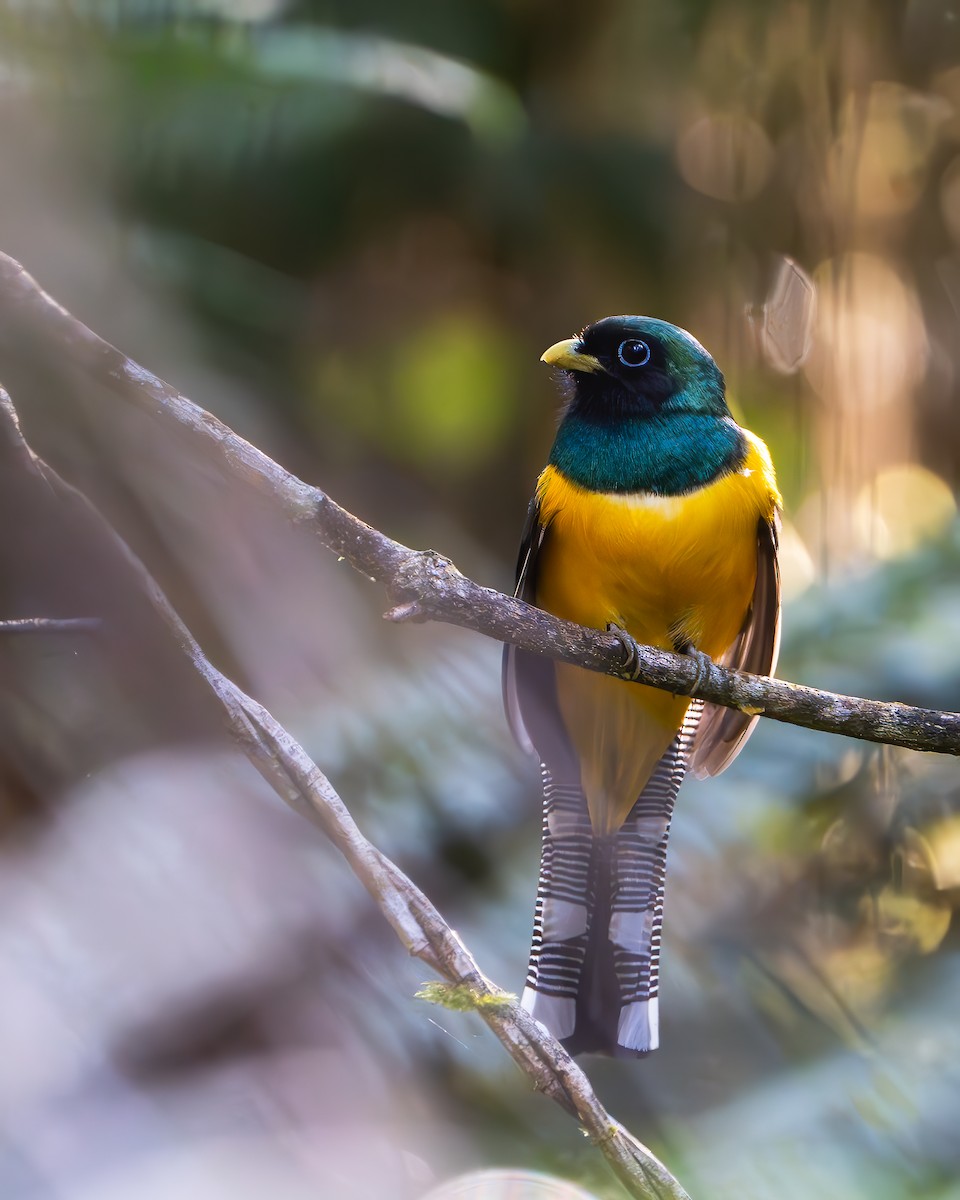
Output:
(349, 229)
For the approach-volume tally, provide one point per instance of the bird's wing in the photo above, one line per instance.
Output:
(526, 675)
(530, 680)
(723, 731)
(531, 539)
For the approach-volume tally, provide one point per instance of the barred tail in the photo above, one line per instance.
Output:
(593, 977)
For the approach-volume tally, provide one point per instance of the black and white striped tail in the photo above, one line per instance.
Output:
(593, 977)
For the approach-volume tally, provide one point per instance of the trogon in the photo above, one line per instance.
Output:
(657, 515)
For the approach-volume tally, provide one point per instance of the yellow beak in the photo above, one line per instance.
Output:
(567, 355)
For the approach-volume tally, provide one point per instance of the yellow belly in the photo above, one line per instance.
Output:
(669, 570)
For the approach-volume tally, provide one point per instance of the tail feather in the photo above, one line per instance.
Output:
(565, 901)
(593, 979)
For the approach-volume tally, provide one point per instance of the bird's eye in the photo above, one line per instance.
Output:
(633, 353)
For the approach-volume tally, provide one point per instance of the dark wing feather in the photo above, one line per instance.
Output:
(531, 539)
(530, 680)
(723, 731)
(526, 578)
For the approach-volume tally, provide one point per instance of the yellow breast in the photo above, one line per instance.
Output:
(670, 570)
(667, 568)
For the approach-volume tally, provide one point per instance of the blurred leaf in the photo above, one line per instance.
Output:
(455, 394)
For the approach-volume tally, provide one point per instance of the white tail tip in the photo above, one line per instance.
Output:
(557, 1014)
(639, 1025)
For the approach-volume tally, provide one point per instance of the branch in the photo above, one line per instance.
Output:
(423, 585)
(52, 625)
(300, 783)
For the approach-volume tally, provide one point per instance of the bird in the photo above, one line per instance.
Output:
(657, 516)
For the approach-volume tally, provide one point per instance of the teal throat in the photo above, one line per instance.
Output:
(667, 454)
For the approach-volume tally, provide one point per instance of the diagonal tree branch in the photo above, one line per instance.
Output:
(300, 783)
(423, 585)
(51, 625)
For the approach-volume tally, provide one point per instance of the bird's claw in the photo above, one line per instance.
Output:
(631, 664)
(704, 663)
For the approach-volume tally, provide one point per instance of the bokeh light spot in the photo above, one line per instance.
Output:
(943, 846)
(797, 568)
(871, 341)
(725, 156)
(878, 163)
(903, 507)
(508, 1185)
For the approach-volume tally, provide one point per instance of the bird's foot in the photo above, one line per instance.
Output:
(631, 664)
(704, 663)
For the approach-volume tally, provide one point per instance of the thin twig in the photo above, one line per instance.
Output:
(52, 625)
(423, 585)
(300, 783)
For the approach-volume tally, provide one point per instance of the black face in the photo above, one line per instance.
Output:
(636, 358)
(647, 368)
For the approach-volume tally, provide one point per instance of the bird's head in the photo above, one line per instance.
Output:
(628, 367)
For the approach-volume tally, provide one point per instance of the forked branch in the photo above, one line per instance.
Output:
(300, 783)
